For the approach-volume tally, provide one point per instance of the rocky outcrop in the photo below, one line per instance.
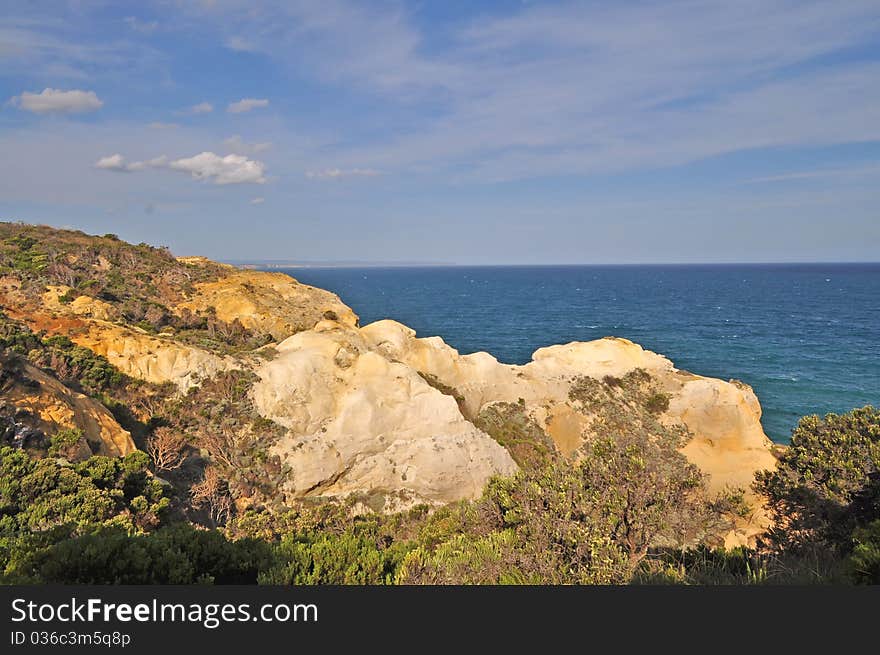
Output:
(362, 416)
(724, 417)
(271, 303)
(359, 422)
(49, 406)
(728, 443)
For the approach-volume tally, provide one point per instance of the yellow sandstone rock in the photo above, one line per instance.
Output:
(272, 303)
(55, 407)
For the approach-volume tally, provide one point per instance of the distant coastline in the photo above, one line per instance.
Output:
(270, 264)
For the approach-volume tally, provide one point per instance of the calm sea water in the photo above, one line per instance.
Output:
(806, 337)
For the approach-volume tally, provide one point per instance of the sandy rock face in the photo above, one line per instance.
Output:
(359, 422)
(362, 416)
(273, 303)
(54, 406)
(149, 358)
(729, 443)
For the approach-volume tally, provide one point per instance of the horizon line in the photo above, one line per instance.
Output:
(392, 264)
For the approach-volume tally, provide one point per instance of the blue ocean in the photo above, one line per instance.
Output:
(806, 337)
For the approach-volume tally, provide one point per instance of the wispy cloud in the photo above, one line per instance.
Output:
(53, 46)
(159, 125)
(246, 104)
(56, 101)
(579, 88)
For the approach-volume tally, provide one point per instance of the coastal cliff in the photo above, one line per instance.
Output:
(336, 410)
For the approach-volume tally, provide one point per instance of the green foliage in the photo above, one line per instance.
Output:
(864, 562)
(510, 426)
(64, 441)
(179, 554)
(44, 502)
(537, 527)
(353, 557)
(827, 482)
(657, 403)
(73, 365)
(496, 558)
(704, 566)
(592, 520)
(222, 420)
(16, 338)
(77, 367)
(21, 255)
(41, 255)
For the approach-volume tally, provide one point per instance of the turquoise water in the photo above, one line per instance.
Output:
(806, 337)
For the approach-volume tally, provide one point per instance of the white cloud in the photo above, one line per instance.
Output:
(159, 125)
(157, 162)
(117, 163)
(258, 201)
(231, 169)
(112, 163)
(57, 101)
(237, 145)
(246, 104)
(207, 166)
(339, 173)
(201, 108)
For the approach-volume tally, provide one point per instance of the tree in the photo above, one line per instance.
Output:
(213, 492)
(649, 494)
(166, 447)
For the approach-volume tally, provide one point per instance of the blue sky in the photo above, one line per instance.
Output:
(465, 132)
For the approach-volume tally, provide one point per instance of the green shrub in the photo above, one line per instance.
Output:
(827, 482)
(45, 502)
(179, 554)
(510, 426)
(64, 441)
(657, 403)
(347, 558)
(864, 562)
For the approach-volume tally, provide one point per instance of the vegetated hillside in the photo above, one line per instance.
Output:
(182, 421)
(138, 286)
